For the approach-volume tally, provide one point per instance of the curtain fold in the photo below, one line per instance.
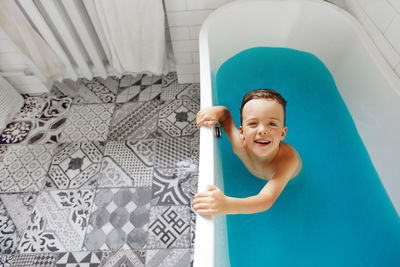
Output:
(30, 43)
(135, 33)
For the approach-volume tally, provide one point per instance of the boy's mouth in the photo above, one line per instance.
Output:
(263, 142)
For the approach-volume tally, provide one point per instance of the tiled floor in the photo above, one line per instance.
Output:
(101, 173)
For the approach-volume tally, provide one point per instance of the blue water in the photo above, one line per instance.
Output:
(336, 211)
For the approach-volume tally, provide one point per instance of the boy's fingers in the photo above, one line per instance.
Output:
(200, 206)
(211, 187)
(205, 212)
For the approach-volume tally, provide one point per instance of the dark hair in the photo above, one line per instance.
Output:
(266, 94)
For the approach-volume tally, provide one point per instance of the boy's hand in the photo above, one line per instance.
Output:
(211, 202)
(210, 116)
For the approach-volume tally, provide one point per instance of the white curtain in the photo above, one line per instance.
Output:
(13, 22)
(135, 34)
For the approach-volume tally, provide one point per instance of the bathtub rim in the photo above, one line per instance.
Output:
(205, 224)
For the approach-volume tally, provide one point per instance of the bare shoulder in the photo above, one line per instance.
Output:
(289, 163)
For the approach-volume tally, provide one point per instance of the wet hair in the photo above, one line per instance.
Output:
(264, 94)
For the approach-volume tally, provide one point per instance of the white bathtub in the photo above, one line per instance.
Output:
(366, 83)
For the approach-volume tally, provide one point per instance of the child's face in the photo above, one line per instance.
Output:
(262, 126)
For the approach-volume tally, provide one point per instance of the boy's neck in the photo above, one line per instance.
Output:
(261, 163)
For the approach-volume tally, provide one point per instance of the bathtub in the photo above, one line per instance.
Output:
(366, 83)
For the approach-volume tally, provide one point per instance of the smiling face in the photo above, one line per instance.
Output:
(262, 128)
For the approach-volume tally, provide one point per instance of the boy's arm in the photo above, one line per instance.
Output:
(214, 202)
(211, 115)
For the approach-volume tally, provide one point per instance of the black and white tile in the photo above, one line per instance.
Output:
(123, 257)
(178, 118)
(87, 123)
(36, 259)
(169, 227)
(58, 222)
(139, 88)
(24, 167)
(84, 91)
(168, 257)
(119, 219)
(15, 210)
(174, 189)
(127, 164)
(135, 120)
(79, 258)
(75, 165)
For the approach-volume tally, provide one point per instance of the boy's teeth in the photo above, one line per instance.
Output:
(263, 142)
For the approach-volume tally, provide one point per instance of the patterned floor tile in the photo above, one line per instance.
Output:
(135, 120)
(16, 132)
(171, 89)
(15, 210)
(33, 107)
(86, 91)
(169, 227)
(139, 88)
(58, 222)
(75, 165)
(48, 127)
(3, 150)
(175, 189)
(5, 260)
(125, 258)
(9, 237)
(87, 123)
(173, 153)
(119, 219)
(168, 258)
(37, 260)
(178, 118)
(24, 167)
(127, 164)
(81, 259)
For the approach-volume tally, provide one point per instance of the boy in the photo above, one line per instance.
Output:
(258, 144)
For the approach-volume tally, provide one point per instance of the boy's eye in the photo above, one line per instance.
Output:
(272, 124)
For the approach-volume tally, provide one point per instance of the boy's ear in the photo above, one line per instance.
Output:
(241, 133)
(284, 132)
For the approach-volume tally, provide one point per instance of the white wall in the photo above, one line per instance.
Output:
(184, 19)
(380, 18)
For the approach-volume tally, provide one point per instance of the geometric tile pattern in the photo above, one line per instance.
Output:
(58, 222)
(125, 258)
(139, 88)
(48, 127)
(168, 258)
(9, 237)
(5, 260)
(170, 189)
(24, 168)
(173, 152)
(38, 259)
(33, 107)
(38, 122)
(75, 165)
(119, 219)
(84, 91)
(135, 120)
(127, 164)
(155, 160)
(178, 118)
(81, 258)
(88, 123)
(15, 210)
(169, 227)
(15, 132)
(171, 89)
